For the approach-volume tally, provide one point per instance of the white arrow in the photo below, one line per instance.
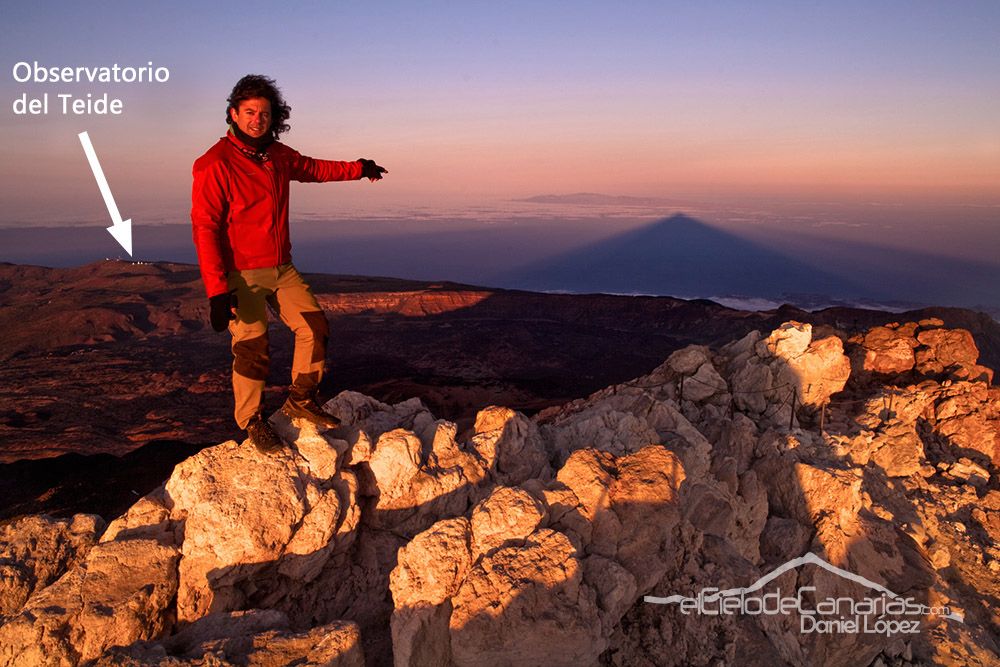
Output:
(120, 229)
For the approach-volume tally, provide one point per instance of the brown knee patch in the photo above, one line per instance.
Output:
(252, 358)
(316, 321)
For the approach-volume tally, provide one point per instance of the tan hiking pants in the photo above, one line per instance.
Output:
(289, 296)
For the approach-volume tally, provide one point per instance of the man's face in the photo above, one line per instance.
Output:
(253, 116)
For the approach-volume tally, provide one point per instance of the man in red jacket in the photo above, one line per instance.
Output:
(239, 218)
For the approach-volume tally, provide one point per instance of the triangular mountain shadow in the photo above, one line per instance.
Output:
(907, 274)
(681, 256)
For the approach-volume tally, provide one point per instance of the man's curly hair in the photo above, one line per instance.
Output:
(257, 85)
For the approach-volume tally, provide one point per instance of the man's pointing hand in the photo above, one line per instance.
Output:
(371, 171)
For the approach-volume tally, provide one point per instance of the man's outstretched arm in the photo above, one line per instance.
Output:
(310, 170)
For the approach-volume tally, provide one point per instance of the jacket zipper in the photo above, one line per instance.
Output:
(272, 180)
(269, 168)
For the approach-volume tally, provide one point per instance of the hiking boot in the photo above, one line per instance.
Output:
(307, 408)
(262, 435)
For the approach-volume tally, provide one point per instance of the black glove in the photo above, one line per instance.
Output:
(371, 171)
(221, 306)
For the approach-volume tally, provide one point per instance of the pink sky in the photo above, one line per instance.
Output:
(480, 105)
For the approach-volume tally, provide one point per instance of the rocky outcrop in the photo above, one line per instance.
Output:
(121, 593)
(885, 350)
(37, 550)
(539, 574)
(254, 638)
(862, 486)
(567, 538)
(918, 348)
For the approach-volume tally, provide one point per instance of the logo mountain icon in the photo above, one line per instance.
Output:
(780, 570)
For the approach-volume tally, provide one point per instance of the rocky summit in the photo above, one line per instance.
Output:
(795, 497)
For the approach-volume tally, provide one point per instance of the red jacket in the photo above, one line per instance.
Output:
(239, 206)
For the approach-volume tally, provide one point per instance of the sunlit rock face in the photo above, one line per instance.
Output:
(396, 539)
(37, 550)
(542, 573)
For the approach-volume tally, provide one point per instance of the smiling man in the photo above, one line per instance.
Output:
(239, 218)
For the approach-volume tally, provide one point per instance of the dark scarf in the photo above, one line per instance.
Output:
(256, 147)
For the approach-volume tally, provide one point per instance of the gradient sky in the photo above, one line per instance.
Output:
(486, 101)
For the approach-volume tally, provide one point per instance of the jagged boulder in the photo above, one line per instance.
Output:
(508, 514)
(965, 421)
(533, 541)
(429, 573)
(252, 637)
(526, 605)
(884, 349)
(941, 349)
(247, 517)
(926, 348)
(899, 451)
(814, 369)
(539, 574)
(37, 550)
(120, 594)
(510, 446)
(773, 376)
